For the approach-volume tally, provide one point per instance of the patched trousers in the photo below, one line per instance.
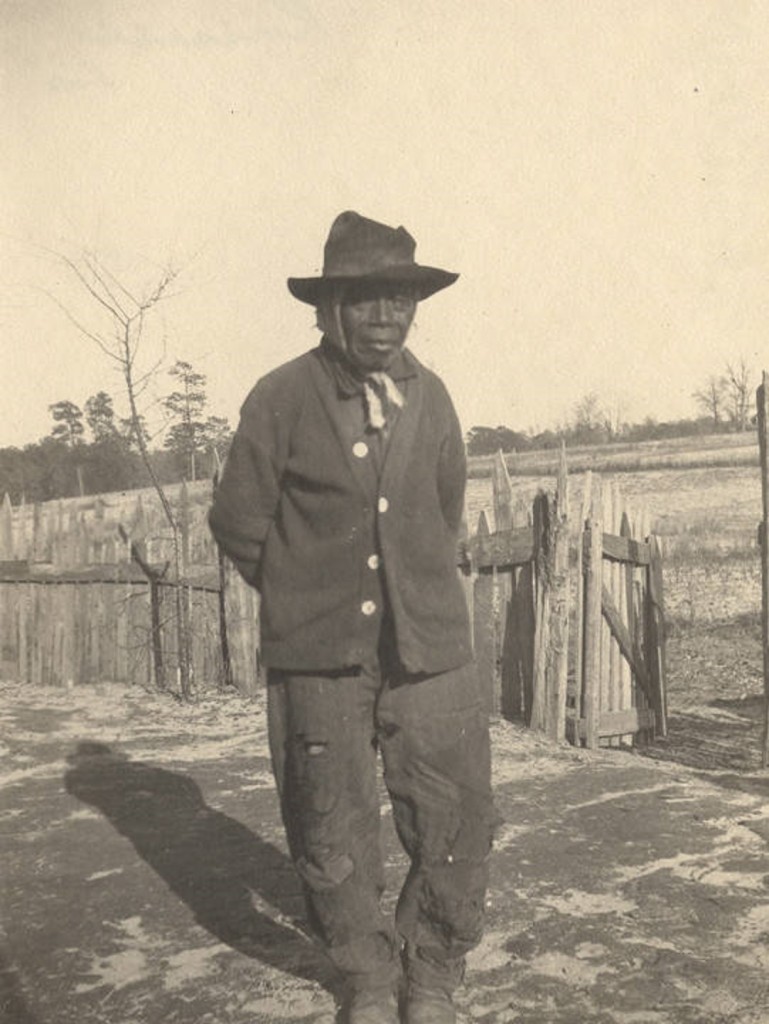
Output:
(325, 733)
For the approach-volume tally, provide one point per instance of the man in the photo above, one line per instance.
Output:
(341, 501)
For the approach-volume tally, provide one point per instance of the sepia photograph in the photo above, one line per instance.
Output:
(384, 504)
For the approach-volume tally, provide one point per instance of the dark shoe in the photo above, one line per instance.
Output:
(373, 1006)
(429, 1006)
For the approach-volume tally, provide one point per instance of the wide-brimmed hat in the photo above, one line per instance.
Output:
(359, 249)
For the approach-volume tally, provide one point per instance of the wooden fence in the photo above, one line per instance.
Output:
(566, 610)
(568, 614)
(87, 595)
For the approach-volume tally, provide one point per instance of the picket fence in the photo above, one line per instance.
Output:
(87, 595)
(567, 611)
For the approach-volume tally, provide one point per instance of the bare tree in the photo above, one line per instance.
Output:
(126, 315)
(738, 393)
(591, 424)
(711, 398)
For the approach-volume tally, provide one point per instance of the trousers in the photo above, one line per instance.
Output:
(326, 732)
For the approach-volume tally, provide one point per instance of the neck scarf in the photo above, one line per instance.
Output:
(382, 399)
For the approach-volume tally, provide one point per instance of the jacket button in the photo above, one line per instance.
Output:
(360, 449)
(373, 561)
(383, 504)
(368, 607)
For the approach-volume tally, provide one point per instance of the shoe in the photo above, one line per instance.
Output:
(429, 1006)
(373, 1006)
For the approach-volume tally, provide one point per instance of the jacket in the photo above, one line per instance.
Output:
(328, 539)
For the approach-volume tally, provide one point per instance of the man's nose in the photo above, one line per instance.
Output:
(383, 308)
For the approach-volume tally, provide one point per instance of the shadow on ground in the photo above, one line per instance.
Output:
(213, 863)
(721, 735)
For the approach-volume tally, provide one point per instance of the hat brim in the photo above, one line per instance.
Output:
(425, 280)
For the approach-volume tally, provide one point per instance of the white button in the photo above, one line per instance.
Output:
(368, 607)
(383, 504)
(373, 561)
(360, 449)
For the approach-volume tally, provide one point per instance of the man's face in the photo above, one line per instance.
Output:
(376, 318)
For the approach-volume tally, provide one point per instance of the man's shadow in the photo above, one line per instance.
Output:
(212, 862)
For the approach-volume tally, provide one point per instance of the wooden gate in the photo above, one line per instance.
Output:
(568, 613)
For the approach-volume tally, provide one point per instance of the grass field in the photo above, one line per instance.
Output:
(703, 495)
(623, 457)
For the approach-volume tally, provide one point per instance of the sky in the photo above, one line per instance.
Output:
(595, 171)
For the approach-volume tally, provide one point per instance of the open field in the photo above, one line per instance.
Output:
(705, 516)
(626, 456)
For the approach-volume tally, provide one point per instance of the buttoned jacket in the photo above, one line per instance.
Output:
(306, 515)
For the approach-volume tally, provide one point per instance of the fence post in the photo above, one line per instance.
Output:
(560, 605)
(551, 567)
(156, 629)
(225, 660)
(484, 632)
(762, 402)
(6, 529)
(502, 489)
(593, 584)
(541, 528)
(503, 580)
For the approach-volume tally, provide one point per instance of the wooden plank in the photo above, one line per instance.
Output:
(627, 612)
(625, 549)
(541, 568)
(484, 639)
(762, 403)
(624, 641)
(618, 723)
(205, 578)
(551, 589)
(593, 616)
(560, 606)
(606, 701)
(6, 528)
(499, 550)
(619, 665)
(22, 572)
(511, 701)
(579, 610)
(24, 610)
(502, 490)
(517, 675)
(656, 637)
(36, 551)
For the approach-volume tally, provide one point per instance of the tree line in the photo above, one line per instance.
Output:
(92, 450)
(724, 403)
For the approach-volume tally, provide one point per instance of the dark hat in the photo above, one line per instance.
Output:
(359, 249)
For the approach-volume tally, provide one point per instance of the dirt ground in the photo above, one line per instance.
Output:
(145, 877)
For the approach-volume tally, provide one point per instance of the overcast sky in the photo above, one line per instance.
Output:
(595, 171)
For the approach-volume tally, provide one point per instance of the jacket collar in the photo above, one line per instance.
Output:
(404, 431)
(348, 381)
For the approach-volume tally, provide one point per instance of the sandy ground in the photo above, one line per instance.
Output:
(145, 878)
